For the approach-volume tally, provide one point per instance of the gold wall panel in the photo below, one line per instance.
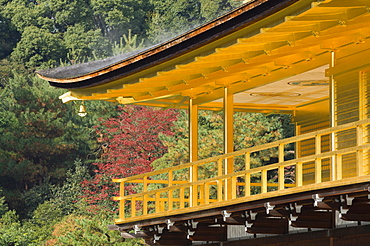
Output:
(310, 118)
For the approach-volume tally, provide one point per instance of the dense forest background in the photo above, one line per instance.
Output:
(56, 167)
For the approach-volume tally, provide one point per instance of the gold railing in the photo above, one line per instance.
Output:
(204, 184)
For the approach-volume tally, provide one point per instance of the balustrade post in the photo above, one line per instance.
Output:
(299, 174)
(227, 183)
(219, 167)
(264, 181)
(219, 182)
(145, 197)
(122, 209)
(247, 178)
(122, 201)
(318, 144)
(206, 193)
(281, 178)
(157, 202)
(193, 188)
(359, 153)
(318, 170)
(201, 193)
(219, 190)
(334, 164)
(133, 207)
(170, 191)
(233, 187)
(281, 152)
(318, 162)
(182, 197)
(338, 159)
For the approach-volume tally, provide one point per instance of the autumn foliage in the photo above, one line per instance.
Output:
(131, 143)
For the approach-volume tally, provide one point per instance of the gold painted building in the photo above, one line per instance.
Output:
(307, 58)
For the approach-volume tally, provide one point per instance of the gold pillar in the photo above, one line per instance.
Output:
(333, 168)
(193, 131)
(228, 105)
(228, 121)
(193, 150)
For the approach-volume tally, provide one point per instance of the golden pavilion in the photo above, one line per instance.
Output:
(307, 58)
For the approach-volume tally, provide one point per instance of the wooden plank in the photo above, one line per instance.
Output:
(209, 234)
(355, 217)
(359, 235)
(177, 242)
(267, 230)
(312, 224)
(279, 212)
(234, 221)
(140, 234)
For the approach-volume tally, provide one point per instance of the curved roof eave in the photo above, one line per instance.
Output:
(104, 71)
(261, 52)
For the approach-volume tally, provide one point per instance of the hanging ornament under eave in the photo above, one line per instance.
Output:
(82, 111)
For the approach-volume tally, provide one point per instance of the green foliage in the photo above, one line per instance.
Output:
(250, 129)
(68, 197)
(67, 13)
(37, 195)
(40, 226)
(127, 43)
(82, 43)
(170, 18)
(52, 15)
(47, 214)
(116, 17)
(63, 200)
(177, 144)
(23, 13)
(41, 137)
(86, 231)
(3, 207)
(33, 129)
(42, 33)
(12, 232)
(8, 38)
(38, 47)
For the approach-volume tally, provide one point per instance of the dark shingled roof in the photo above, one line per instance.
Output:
(88, 67)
